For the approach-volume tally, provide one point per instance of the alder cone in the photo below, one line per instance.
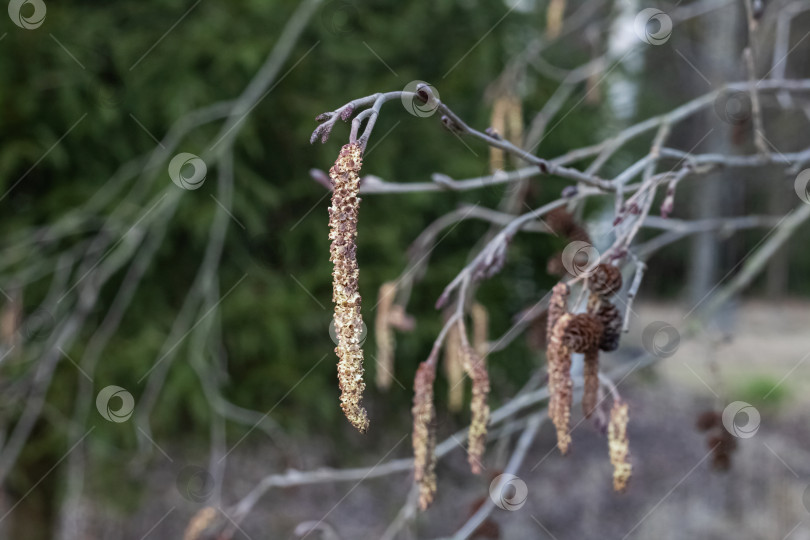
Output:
(583, 333)
(564, 224)
(605, 280)
(708, 419)
(611, 320)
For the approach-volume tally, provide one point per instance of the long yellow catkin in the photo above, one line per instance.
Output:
(424, 433)
(559, 382)
(618, 446)
(385, 336)
(345, 294)
(479, 407)
(480, 324)
(454, 369)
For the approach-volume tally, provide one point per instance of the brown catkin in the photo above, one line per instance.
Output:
(559, 382)
(590, 390)
(479, 407)
(384, 335)
(424, 433)
(345, 294)
(557, 306)
(618, 446)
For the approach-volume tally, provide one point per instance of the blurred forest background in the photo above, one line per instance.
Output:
(88, 99)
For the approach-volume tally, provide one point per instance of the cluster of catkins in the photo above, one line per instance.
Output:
(587, 333)
(471, 363)
(568, 333)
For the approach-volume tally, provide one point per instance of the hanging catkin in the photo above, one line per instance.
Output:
(480, 325)
(557, 306)
(345, 294)
(559, 381)
(424, 433)
(618, 446)
(453, 363)
(590, 390)
(479, 406)
(384, 335)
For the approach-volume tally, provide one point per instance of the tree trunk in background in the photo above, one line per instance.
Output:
(721, 50)
(776, 279)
